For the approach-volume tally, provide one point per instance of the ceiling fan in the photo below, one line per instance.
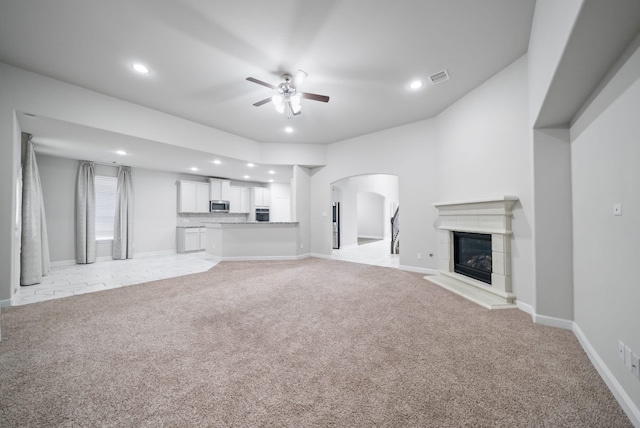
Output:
(287, 97)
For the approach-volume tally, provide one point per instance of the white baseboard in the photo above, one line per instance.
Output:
(154, 254)
(525, 307)
(553, 322)
(629, 407)
(425, 271)
(618, 392)
(60, 263)
(5, 303)
(320, 256)
(370, 237)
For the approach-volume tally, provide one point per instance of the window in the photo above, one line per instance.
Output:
(105, 206)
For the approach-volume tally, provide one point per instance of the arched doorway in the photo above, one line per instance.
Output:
(363, 206)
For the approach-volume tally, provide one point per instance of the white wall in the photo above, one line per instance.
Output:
(371, 214)
(300, 201)
(605, 156)
(280, 209)
(550, 31)
(155, 207)
(407, 152)
(553, 224)
(58, 176)
(484, 151)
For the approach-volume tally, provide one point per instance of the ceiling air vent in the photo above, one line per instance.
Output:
(439, 77)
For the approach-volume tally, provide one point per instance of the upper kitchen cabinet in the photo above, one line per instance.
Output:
(193, 197)
(262, 196)
(220, 189)
(239, 200)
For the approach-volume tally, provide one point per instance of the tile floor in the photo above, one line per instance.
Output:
(72, 280)
(374, 253)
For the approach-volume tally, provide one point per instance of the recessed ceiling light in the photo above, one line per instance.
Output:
(193, 168)
(246, 177)
(272, 172)
(217, 161)
(271, 180)
(140, 68)
(288, 129)
(250, 165)
(121, 152)
(416, 84)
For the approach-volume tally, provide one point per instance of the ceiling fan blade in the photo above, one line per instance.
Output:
(299, 78)
(260, 82)
(314, 97)
(259, 103)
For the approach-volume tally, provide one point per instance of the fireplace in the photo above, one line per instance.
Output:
(472, 255)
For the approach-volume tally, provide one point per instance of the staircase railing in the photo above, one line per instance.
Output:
(395, 232)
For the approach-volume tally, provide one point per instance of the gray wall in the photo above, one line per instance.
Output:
(58, 176)
(605, 165)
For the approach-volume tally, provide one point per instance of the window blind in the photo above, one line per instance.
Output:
(105, 206)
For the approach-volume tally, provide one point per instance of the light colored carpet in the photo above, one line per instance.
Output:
(302, 343)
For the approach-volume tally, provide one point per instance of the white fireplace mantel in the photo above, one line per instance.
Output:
(488, 216)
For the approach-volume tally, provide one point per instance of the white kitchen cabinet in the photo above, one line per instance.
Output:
(191, 239)
(262, 196)
(239, 199)
(220, 190)
(193, 197)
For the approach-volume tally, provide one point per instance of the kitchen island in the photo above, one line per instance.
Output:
(252, 240)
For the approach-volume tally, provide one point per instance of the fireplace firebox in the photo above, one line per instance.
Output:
(472, 255)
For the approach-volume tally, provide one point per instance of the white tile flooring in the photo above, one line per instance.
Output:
(375, 253)
(76, 279)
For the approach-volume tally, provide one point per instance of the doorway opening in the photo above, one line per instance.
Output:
(363, 207)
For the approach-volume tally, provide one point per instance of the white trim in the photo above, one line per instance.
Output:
(155, 253)
(553, 322)
(425, 271)
(62, 263)
(544, 319)
(380, 238)
(320, 256)
(525, 307)
(627, 404)
(5, 303)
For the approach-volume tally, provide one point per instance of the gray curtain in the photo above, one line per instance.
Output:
(86, 213)
(34, 255)
(123, 225)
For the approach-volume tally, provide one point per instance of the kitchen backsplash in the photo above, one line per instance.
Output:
(199, 219)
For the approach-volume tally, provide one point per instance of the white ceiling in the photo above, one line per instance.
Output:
(362, 53)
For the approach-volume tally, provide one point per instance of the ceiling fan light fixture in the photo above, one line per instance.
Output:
(294, 102)
(278, 102)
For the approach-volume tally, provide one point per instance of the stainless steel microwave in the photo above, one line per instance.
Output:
(219, 206)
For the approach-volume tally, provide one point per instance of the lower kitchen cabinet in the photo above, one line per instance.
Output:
(191, 239)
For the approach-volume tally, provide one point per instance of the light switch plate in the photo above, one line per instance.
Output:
(635, 365)
(617, 209)
(621, 350)
(627, 357)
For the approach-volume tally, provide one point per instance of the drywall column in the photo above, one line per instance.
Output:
(9, 170)
(301, 202)
(553, 226)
